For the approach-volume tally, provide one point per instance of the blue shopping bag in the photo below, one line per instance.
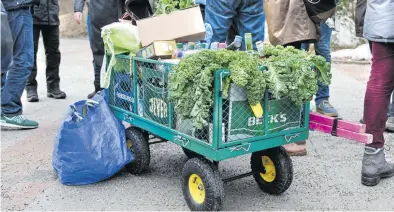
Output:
(90, 145)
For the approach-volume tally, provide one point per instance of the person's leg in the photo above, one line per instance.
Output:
(21, 25)
(50, 36)
(98, 51)
(299, 148)
(219, 14)
(232, 32)
(377, 97)
(370, 49)
(31, 85)
(305, 46)
(7, 44)
(323, 48)
(251, 19)
(89, 28)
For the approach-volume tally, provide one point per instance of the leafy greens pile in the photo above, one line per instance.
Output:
(191, 83)
(169, 6)
(289, 73)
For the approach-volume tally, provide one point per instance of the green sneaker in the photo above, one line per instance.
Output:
(17, 122)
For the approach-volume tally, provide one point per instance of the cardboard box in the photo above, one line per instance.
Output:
(182, 26)
(158, 49)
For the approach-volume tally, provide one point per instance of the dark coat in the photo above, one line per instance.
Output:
(104, 12)
(79, 5)
(47, 13)
(18, 4)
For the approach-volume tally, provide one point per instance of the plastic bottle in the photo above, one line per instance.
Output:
(191, 46)
(236, 44)
(222, 46)
(185, 46)
(197, 45)
(260, 48)
(179, 51)
(248, 42)
(190, 49)
(215, 45)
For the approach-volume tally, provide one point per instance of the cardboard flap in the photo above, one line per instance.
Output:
(179, 25)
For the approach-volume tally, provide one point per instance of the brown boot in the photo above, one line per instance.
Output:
(294, 149)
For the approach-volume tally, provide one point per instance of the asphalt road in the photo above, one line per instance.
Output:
(328, 178)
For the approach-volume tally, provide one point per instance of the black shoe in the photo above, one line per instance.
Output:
(362, 121)
(96, 90)
(31, 94)
(56, 93)
(375, 167)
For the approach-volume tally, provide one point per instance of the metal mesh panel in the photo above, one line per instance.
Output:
(121, 92)
(153, 79)
(238, 120)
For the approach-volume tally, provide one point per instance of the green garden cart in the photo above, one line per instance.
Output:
(138, 94)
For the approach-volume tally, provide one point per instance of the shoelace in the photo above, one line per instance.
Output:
(19, 119)
(327, 104)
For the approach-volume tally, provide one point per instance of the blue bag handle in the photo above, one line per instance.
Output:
(77, 114)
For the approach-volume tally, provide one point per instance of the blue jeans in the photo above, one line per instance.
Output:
(248, 16)
(14, 81)
(89, 28)
(323, 48)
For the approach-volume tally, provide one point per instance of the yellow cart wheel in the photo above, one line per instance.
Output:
(273, 170)
(202, 186)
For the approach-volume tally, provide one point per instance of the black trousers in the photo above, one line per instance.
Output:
(98, 21)
(50, 35)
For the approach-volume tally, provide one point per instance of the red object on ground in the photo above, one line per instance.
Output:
(346, 125)
(344, 129)
(361, 137)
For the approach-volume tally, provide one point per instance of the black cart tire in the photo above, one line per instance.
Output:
(202, 185)
(190, 154)
(139, 146)
(273, 170)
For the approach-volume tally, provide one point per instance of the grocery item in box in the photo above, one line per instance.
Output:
(158, 50)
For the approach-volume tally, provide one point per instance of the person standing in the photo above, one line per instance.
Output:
(248, 17)
(323, 48)
(102, 13)
(361, 8)
(78, 14)
(379, 29)
(289, 25)
(14, 77)
(46, 21)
